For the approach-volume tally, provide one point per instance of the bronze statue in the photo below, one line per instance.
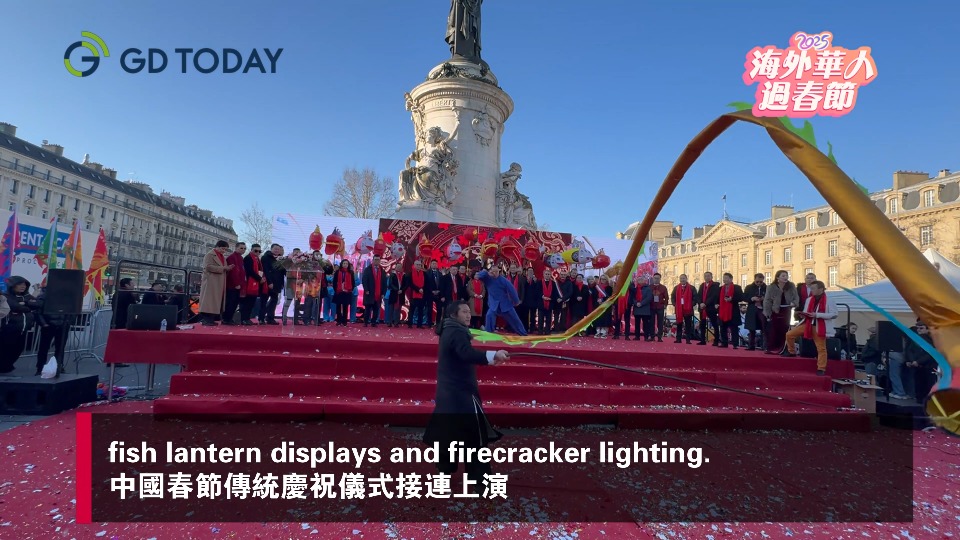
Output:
(463, 29)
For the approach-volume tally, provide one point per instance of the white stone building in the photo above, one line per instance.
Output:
(140, 225)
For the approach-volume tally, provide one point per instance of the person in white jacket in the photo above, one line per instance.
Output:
(818, 313)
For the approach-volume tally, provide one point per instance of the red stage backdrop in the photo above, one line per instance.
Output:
(471, 239)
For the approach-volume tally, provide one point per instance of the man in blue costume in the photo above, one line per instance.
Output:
(501, 300)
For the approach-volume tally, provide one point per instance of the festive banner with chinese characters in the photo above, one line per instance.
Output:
(810, 77)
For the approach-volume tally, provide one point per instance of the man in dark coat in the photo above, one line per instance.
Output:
(530, 299)
(13, 332)
(53, 330)
(754, 294)
(236, 280)
(458, 412)
(274, 274)
(641, 303)
(921, 362)
(374, 281)
(708, 300)
(728, 312)
(122, 299)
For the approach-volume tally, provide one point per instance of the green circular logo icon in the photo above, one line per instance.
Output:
(92, 61)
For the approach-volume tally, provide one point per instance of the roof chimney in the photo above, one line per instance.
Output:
(112, 173)
(943, 173)
(95, 166)
(54, 148)
(905, 179)
(8, 129)
(780, 211)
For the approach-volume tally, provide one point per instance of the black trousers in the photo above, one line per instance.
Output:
(371, 313)
(51, 334)
(343, 311)
(246, 307)
(12, 343)
(231, 304)
(530, 320)
(685, 327)
(268, 306)
(644, 322)
(415, 313)
(660, 316)
(522, 313)
(440, 306)
(714, 322)
(617, 319)
(730, 330)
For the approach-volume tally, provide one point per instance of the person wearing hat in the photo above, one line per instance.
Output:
(13, 333)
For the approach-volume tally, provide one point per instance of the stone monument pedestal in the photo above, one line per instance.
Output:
(424, 211)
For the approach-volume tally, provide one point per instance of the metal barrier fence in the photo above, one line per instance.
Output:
(86, 338)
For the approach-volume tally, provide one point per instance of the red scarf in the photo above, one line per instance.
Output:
(706, 291)
(254, 287)
(220, 256)
(579, 287)
(684, 299)
(548, 292)
(639, 295)
(726, 308)
(454, 279)
(817, 305)
(376, 282)
(477, 292)
(417, 279)
(344, 274)
(516, 282)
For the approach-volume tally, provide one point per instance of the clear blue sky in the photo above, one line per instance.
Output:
(607, 95)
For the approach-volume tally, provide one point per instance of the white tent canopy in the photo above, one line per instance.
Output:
(886, 296)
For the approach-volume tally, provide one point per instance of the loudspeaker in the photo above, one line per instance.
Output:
(833, 349)
(64, 294)
(808, 349)
(889, 337)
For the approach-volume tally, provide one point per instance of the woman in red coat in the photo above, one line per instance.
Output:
(343, 284)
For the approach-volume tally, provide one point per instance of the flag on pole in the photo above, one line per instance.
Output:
(9, 243)
(73, 249)
(98, 267)
(47, 251)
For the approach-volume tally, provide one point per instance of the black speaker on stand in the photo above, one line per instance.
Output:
(63, 297)
(889, 337)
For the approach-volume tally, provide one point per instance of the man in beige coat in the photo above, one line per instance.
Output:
(213, 284)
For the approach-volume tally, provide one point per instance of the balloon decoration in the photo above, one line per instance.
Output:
(364, 244)
(554, 260)
(454, 250)
(334, 243)
(601, 261)
(398, 250)
(316, 239)
(379, 246)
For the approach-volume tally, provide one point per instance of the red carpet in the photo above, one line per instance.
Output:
(37, 498)
(338, 371)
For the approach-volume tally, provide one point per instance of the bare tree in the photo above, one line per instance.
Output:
(257, 226)
(862, 262)
(362, 194)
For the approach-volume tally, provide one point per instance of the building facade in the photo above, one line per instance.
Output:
(139, 224)
(926, 209)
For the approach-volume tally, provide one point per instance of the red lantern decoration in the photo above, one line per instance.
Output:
(379, 246)
(334, 243)
(470, 235)
(425, 248)
(510, 249)
(601, 261)
(531, 251)
(316, 239)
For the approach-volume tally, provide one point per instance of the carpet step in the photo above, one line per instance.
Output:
(200, 382)
(402, 412)
(528, 370)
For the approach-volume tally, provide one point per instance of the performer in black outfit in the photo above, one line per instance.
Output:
(458, 414)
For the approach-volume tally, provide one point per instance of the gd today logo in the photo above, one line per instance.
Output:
(94, 60)
(205, 60)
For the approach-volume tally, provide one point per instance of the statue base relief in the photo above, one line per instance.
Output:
(423, 211)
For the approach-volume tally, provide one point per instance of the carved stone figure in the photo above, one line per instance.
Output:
(432, 180)
(514, 208)
(416, 115)
(463, 29)
(484, 128)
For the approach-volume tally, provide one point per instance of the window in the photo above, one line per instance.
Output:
(743, 260)
(894, 205)
(832, 248)
(28, 210)
(63, 200)
(696, 265)
(710, 265)
(103, 214)
(791, 227)
(114, 216)
(771, 229)
(674, 269)
(90, 209)
(768, 257)
(832, 276)
(43, 215)
(787, 255)
(857, 246)
(725, 263)
(31, 191)
(860, 273)
(835, 218)
(76, 204)
(685, 266)
(766, 276)
(11, 205)
(808, 252)
(807, 271)
(13, 187)
(811, 223)
(46, 195)
(89, 224)
(926, 235)
(743, 280)
(928, 198)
